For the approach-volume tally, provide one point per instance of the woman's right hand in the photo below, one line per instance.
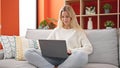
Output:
(69, 52)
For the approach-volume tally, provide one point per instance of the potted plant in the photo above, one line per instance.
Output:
(109, 24)
(47, 23)
(43, 25)
(51, 23)
(107, 7)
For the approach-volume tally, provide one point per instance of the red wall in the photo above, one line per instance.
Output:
(49, 8)
(0, 16)
(10, 17)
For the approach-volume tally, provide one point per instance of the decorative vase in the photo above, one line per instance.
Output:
(90, 23)
(107, 11)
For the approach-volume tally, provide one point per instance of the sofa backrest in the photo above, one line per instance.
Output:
(104, 43)
(37, 34)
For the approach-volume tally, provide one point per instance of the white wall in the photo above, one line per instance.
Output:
(27, 15)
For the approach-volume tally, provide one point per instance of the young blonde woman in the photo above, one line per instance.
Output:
(78, 45)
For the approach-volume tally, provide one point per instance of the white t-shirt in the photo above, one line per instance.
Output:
(75, 40)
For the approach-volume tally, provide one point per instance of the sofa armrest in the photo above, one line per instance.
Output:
(1, 54)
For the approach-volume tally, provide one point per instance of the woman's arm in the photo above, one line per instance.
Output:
(84, 44)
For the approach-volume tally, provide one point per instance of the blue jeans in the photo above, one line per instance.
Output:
(77, 59)
(55, 61)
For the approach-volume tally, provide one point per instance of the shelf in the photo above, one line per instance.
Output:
(76, 5)
(113, 4)
(107, 14)
(103, 19)
(89, 15)
(77, 15)
(98, 15)
(94, 22)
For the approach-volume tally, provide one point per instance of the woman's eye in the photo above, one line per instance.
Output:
(62, 16)
(67, 16)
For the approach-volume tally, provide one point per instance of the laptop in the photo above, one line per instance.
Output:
(53, 48)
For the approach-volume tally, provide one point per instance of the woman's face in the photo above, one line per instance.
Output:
(65, 18)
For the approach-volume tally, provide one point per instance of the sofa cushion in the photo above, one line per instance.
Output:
(1, 54)
(22, 44)
(104, 45)
(97, 65)
(12, 63)
(8, 43)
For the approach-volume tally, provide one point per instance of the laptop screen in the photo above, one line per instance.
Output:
(53, 48)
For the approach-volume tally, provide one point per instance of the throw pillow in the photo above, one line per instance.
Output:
(1, 54)
(8, 43)
(22, 44)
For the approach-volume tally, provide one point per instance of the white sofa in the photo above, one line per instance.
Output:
(105, 43)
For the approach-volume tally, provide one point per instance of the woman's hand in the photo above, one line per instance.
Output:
(69, 52)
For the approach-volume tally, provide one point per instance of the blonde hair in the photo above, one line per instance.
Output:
(74, 24)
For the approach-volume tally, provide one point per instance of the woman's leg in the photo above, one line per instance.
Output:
(76, 60)
(34, 57)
